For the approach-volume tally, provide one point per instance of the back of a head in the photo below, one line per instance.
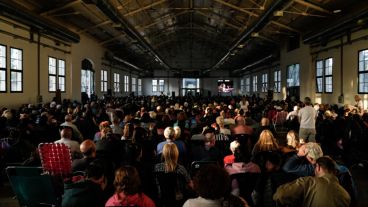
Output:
(313, 150)
(212, 182)
(177, 133)
(265, 121)
(127, 180)
(220, 120)
(328, 164)
(88, 148)
(169, 133)
(266, 141)
(66, 132)
(307, 101)
(233, 145)
(68, 118)
(95, 170)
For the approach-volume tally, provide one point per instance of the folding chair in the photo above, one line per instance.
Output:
(31, 187)
(56, 159)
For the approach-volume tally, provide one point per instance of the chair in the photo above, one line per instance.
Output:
(246, 183)
(31, 187)
(56, 159)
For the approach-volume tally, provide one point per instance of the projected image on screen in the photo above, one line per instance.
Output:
(225, 86)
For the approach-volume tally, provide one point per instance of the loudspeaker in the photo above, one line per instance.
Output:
(209, 93)
(109, 92)
(173, 94)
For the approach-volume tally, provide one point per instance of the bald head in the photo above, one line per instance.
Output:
(88, 148)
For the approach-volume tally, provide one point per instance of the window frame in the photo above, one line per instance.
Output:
(361, 72)
(161, 87)
(139, 83)
(126, 83)
(5, 70)
(104, 82)
(287, 75)
(155, 86)
(16, 71)
(116, 83)
(255, 83)
(247, 84)
(323, 77)
(277, 80)
(134, 84)
(264, 82)
(57, 74)
(327, 76)
(242, 85)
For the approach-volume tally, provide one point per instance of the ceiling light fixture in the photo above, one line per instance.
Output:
(336, 11)
(278, 13)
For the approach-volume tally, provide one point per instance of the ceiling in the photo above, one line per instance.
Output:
(193, 35)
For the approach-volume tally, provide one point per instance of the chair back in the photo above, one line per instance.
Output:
(56, 159)
(31, 187)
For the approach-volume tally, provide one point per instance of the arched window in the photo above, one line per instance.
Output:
(87, 77)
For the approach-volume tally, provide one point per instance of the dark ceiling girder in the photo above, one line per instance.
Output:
(247, 33)
(110, 12)
(15, 12)
(339, 28)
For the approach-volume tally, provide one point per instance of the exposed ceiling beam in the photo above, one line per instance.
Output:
(112, 39)
(144, 8)
(236, 8)
(94, 26)
(247, 33)
(60, 8)
(284, 26)
(313, 6)
(160, 19)
(225, 22)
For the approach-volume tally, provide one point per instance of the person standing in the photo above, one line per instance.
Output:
(307, 119)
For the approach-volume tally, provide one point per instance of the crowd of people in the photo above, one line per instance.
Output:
(208, 151)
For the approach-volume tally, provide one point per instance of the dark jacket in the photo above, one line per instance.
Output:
(83, 193)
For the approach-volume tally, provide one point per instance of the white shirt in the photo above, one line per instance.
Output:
(73, 145)
(202, 202)
(307, 117)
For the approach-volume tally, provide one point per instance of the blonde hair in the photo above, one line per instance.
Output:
(177, 131)
(169, 133)
(170, 155)
(313, 150)
(266, 142)
(220, 121)
(233, 145)
(292, 139)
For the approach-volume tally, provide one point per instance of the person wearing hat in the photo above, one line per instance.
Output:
(66, 138)
(76, 134)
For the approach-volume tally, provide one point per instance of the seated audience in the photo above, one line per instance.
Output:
(128, 189)
(87, 192)
(88, 149)
(66, 138)
(321, 190)
(212, 185)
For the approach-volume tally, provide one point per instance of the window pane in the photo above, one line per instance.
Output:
(61, 68)
(319, 85)
(2, 80)
(363, 83)
(62, 84)
(328, 84)
(16, 81)
(328, 66)
(52, 83)
(2, 56)
(363, 60)
(15, 59)
(319, 68)
(52, 66)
